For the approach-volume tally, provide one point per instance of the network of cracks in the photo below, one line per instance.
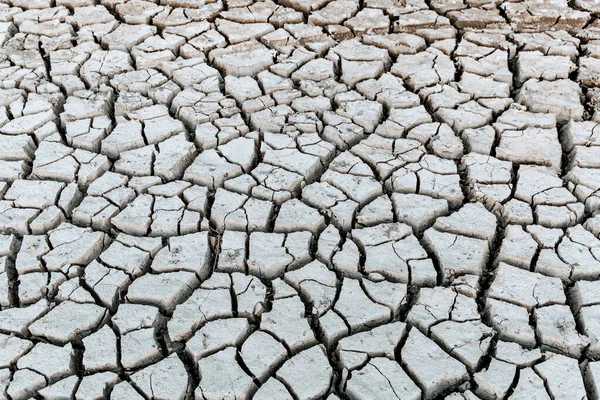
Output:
(299, 199)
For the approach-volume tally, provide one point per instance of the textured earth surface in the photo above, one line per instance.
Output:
(299, 199)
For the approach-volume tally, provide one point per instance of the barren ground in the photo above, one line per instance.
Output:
(300, 199)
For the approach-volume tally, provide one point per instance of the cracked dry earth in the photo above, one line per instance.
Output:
(300, 199)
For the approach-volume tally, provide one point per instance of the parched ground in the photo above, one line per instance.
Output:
(300, 199)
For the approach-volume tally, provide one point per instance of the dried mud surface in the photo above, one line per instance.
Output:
(299, 199)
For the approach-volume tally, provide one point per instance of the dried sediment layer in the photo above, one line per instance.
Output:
(299, 199)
